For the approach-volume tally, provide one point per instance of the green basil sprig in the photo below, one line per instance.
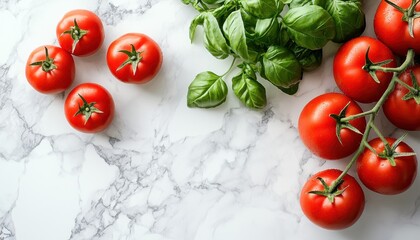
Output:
(267, 41)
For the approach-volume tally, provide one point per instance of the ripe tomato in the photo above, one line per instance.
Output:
(405, 114)
(50, 69)
(377, 173)
(317, 128)
(80, 32)
(349, 72)
(134, 58)
(346, 208)
(89, 108)
(392, 28)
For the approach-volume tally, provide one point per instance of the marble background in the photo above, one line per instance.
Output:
(162, 171)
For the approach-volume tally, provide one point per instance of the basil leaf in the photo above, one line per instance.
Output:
(248, 89)
(310, 26)
(308, 59)
(214, 41)
(207, 90)
(280, 67)
(234, 30)
(290, 90)
(266, 32)
(249, 20)
(284, 36)
(300, 3)
(212, 1)
(220, 12)
(349, 19)
(286, 1)
(198, 20)
(262, 8)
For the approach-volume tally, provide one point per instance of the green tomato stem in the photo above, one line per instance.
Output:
(359, 115)
(388, 69)
(372, 115)
(47, 65)
(381, 136)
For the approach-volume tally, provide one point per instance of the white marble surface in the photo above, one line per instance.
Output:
(162, 171)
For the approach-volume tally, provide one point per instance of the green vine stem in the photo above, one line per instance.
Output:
(412, 89)
(372, 114)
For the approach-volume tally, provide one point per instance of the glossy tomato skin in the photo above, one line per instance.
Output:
(149, 64)
(404, 114)
(349, 74)
(346, 209)
(92, 93)
(86, 20)
(393, 31)
(56, 80)
(317, 128)
(380, 176)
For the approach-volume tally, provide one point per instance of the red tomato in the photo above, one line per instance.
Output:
(80, 32)
(134, 58)
(317, 128)
(377, 173)
(349, 74)
(50, 69)
(89, 108)
(392, 30)
(404, 114)
(343, 212)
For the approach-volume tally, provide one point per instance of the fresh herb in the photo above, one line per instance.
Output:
(267, 40)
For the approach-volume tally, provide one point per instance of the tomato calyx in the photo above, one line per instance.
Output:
(390, 151)
(372, 67)
(87, 109)
(134, 58)
(76, 34)
(47, 64)
(330, 192)
(342, 123)
(409, 14)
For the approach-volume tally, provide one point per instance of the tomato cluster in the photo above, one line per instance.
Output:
(89, 107)
(333, 126)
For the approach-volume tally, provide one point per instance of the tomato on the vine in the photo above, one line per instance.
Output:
(385, 171)
(402, 107)
(392, 25)
(352, 73)
(80, 32)
(50, 69)
(332, 208)
(320, 123)
(89, 108)
(134, 58)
